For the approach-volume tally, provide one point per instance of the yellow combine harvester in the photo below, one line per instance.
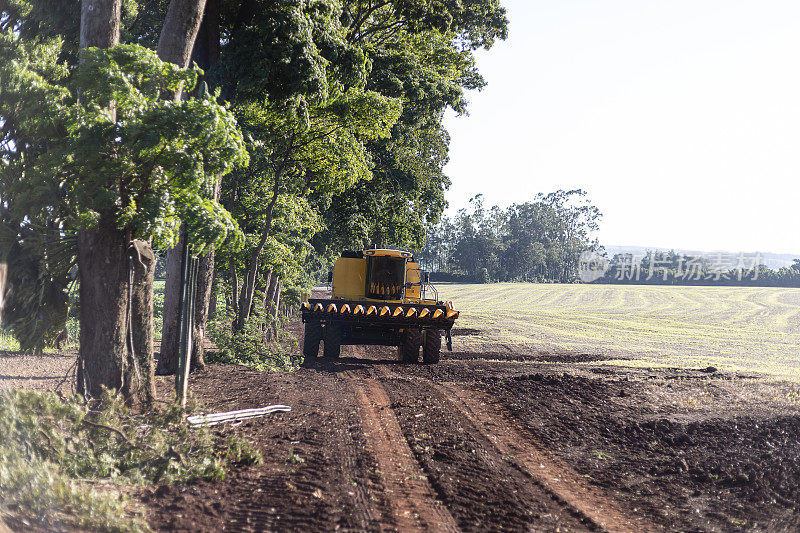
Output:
(378, 298)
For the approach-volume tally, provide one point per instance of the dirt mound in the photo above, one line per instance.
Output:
(705, 471)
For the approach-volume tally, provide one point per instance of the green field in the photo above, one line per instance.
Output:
(733, 328)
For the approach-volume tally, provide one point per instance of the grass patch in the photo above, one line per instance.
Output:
(7, 342)
(55, 453)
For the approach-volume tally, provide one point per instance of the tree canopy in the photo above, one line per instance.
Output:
(323, 119)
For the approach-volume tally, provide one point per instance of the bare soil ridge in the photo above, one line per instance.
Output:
(413, 502)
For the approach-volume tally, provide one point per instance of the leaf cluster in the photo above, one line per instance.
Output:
(101, 141)
(52, 447)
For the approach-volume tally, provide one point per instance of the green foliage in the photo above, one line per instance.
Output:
(130, 448)
(294, 459)
(294, 50)
(533, 241)
(45, 19)
(143, 163)
(341, 103)
(39, 274)
(8, 343)
(158, 308)
(241, 452)
(262, 344)
(51, 446)
(96, 143)
(474, 23)
(307, 81)
(298, 161)
(429, 74)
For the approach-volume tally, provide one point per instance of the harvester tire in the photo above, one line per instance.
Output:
(410, 345)
(333, 341)
(432, 347)
(311, 340)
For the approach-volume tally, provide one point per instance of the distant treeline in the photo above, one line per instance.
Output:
(549, 240)
(672, 268)
(536, 241)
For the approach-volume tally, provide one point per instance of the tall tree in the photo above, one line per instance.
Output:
(121, 166)
(290, 59)
(175, 44)
(320, 154)
(102, 253)
(420, 52)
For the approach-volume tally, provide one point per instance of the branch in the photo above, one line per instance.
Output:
(108, 428)
(354, 34)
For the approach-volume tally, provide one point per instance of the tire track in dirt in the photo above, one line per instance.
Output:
(317, 474)
(412, 501)
(566, 486)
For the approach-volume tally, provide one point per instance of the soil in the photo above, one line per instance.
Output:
(530, 441)
(49, 372)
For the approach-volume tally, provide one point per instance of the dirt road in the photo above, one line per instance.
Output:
(474, 444)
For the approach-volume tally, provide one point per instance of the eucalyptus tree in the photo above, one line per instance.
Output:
(318, 154)
(422, 53)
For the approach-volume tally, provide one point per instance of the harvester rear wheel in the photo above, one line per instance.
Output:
(409, 347)
(432, 347)
(311, 340)
(333, 341)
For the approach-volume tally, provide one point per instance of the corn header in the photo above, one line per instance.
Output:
(378, 297)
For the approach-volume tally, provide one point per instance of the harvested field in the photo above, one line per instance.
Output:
(732, 328)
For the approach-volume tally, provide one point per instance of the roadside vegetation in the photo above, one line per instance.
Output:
(69, 463)
(262, 344)
(266, 136)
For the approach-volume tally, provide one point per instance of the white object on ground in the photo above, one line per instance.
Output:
(230, 416)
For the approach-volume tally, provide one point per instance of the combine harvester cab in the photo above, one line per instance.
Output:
(378, 298)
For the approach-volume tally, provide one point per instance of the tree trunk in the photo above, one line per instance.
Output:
(144, 269)
(207, 45)
(212, 303)
(251, 272)
(100, 23)
(276, 301)
(270, 284)
(103, 267)
(3, 273)
(102, 255)
(168, 359)
(175, 45)
(271, 295)
(205, 279)
(176, 41)
(244, 16)
(234, 287)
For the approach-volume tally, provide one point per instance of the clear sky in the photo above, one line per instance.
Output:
(681, 118)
